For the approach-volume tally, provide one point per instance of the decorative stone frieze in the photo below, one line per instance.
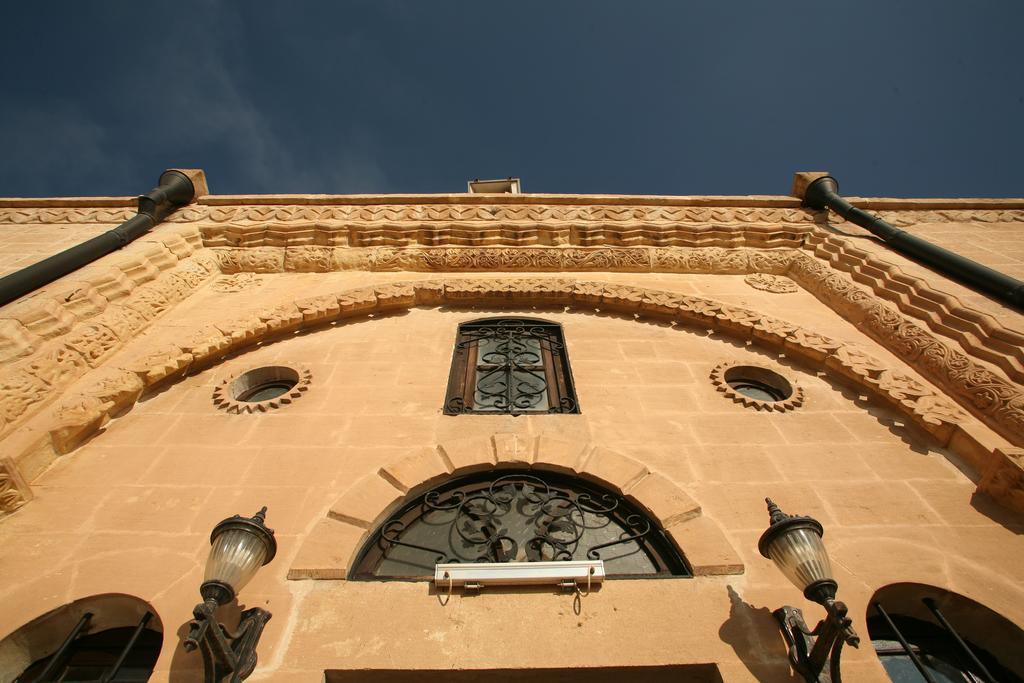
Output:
(492, 213)
(978, 333)
(406, 214)
(65, 349)
(993, 399)
(987, 339)
(506, 259)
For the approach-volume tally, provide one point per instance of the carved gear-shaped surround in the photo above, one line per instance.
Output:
(224, 396)
(720, 378)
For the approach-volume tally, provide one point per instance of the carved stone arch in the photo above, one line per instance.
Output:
(116, 389)
(333, 545)
(113, 390)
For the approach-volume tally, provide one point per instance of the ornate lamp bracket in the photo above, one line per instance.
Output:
(227, 657)
(810, 650)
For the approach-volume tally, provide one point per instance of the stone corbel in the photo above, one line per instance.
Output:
(1004, 479)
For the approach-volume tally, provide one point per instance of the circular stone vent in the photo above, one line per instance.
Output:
(757, 387)
(261, 389)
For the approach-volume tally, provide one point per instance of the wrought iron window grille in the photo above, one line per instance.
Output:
(511, 516)
(91, 657)
(510, 366)
(938, 652)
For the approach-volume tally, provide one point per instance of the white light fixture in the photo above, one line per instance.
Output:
(480, 574)
(501, 186)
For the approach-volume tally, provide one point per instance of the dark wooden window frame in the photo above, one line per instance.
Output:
(553, 361)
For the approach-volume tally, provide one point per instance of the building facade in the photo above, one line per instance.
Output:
(678, 359)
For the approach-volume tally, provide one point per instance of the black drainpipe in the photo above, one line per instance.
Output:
(175, 190)
(823, 193)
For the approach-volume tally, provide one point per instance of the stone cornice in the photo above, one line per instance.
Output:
(509, 209)
(752, 201)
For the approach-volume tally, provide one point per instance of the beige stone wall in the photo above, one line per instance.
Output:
(33, 229)
(129, 505)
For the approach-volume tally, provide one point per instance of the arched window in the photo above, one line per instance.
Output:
(510, 365)
(101, 638)
(922, 633)
(518, 516)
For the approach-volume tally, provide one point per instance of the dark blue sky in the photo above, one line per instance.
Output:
(895, 98)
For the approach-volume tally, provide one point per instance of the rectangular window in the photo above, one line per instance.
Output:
(512, 366)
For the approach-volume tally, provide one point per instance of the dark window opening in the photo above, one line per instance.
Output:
(510, 366)
(935, 649)
(518, 516)
(758, 383)
(91, 657)
(761, 392)
(267, 391)
(263, 384)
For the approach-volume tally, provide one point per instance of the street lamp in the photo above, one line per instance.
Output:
(794, 544)
(239, 546)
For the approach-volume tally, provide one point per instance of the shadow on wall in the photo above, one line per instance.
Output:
(754, 636)
(1011, 521)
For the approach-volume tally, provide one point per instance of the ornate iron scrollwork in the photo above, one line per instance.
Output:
(510, 365)
(518, 516)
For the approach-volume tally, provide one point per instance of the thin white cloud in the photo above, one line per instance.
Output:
(189, 102)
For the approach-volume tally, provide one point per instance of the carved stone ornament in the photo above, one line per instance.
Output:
(236, 282)
(87, 330)
(494, 213)
(230, 394)
(774, 376)
(775, 284)
(14, 492)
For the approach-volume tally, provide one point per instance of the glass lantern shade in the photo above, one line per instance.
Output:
(794, 544)
(239, 546)
(235, 557)
(801, 556)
